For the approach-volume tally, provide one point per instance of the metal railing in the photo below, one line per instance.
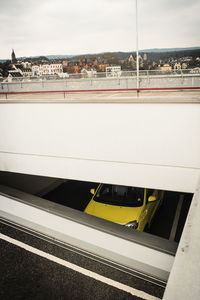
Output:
(142, 73)
(120, 81)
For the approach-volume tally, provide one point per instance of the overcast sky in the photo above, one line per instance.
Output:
(43, 27)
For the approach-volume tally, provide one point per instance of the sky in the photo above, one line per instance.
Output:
(47, 27)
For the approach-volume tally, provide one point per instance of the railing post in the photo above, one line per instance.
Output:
(182, 76)
(148, 79)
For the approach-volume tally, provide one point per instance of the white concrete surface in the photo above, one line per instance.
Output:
(143, 144)
(184, 280)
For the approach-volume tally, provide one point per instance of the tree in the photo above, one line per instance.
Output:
(5, 67)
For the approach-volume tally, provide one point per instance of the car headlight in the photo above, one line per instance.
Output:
(133, 224)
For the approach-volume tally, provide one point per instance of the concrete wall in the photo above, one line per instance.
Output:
(142, 144)
(102, 83)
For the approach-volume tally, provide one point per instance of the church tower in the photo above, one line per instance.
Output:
(13, 57)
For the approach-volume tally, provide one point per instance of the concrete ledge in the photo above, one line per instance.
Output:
(142, 253)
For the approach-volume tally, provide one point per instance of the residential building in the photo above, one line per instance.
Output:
(102, 67)
(184, 65)
(63, 75)
(177, 66)
(26, 72)
(26, 64)
(195, 71)
(14, 74)
(131, 59)
(65, 63)
(165, 67)
(19, 71)
(89, 72)
(113, 71)
(73, 69)
(145, 56)
(47, 69)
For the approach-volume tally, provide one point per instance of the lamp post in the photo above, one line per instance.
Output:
(137, 56)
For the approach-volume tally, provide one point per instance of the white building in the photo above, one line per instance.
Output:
(63, 75)
(184, 65)
(27, 72)
(177, 66)
(90, 72)
(165, 67)
(26, 65)
(113, 71)
(46, 69)
(195, 70)
(131, 59)
(145, 56)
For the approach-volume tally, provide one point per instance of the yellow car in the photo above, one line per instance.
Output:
(130, 206)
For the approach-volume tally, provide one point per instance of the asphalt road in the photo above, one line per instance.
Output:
(26, 275)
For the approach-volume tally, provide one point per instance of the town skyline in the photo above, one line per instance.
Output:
(46, 27)
(113, 63)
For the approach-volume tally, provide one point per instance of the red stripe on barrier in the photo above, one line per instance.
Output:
(105, 90)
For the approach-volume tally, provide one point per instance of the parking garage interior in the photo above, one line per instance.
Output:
(166, 228)
(168, 222)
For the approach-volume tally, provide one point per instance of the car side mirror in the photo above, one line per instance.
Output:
(92, 191)
(151, 199)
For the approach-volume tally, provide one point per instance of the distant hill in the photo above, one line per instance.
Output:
(169, 49)
(59, 56)
(152, 54)
(165, 54)
(155, 53)
(47, 56)
(38, 56)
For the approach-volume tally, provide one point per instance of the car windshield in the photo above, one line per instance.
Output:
(120, 195)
